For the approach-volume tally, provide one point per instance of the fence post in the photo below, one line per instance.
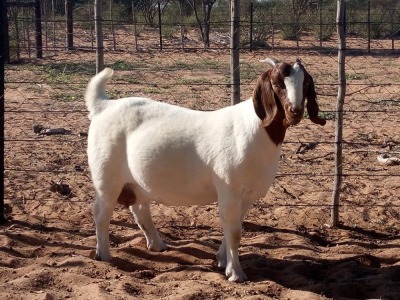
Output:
(53, 14)
(160, 25)
(134, 27)
(38, 29)
(98, 10)
(235, 45)
(46, 28)
(26, 30)
(369, 25)
(251, 27)
(391, 25)
(340, 26)
(272, 29)
(320, 23)
(4, 38)
(91, 25)
(4, 57)
(112, 26)
(70, 24)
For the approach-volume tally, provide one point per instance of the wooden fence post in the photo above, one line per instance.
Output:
(340, 26)
(251, 27)
(98, 10)
(235, 46)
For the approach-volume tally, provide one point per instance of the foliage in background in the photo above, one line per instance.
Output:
(211, 18)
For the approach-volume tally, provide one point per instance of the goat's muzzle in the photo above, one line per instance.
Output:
(293, 115)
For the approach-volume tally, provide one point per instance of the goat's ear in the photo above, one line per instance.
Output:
(312, 105)
(264, 99)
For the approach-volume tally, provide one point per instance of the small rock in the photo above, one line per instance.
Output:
(78, 168)
(60, 188)
(37, 128)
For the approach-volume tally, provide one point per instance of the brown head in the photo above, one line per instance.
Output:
(279, 98)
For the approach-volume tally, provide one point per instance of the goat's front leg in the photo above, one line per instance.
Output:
(231, 212)
(221, 255)
(141, 213)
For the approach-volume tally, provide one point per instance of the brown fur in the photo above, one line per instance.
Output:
(310, 94)
(271, 104)
(264, 99)
(127, 197)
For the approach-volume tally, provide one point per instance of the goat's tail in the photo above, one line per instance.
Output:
(96, 91)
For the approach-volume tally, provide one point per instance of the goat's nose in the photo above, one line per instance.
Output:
(295, 110)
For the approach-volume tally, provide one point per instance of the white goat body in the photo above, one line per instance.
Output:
(141, 150)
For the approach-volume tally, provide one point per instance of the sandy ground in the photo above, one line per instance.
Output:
(288, 249)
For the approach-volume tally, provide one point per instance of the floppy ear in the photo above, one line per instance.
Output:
(312, 105)
(264, 99)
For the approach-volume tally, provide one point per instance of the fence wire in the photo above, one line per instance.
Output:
(46, 121)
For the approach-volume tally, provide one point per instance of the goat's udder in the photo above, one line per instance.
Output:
(127, 196)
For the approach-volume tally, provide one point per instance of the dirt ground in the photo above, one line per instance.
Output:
(288, 249)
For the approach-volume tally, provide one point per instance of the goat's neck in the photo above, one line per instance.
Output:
(277, 129)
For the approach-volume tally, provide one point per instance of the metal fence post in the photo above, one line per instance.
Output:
(70, 24)
(369, 25)
(340, 26)
(112, 26)
(134, 26)
(38, 29)
(160, 25)
(320, 23)
(3, 58)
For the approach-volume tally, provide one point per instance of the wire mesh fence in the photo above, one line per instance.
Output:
(46, 122)
(288, 248)
(370, 26)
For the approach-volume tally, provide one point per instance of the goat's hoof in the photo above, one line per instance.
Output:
(159, 247)
(103, 257)
(221, 262)
(236, 276)
(221, 259)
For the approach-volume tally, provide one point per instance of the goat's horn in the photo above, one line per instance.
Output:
(272, 61)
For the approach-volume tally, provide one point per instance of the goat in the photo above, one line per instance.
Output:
(140, 150)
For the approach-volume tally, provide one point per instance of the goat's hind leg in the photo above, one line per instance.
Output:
(141, 213)
(102, 210)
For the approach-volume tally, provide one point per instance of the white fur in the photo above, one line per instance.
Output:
(177, 156)
(294, 86)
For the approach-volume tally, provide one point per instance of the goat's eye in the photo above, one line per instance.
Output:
(279, 86)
